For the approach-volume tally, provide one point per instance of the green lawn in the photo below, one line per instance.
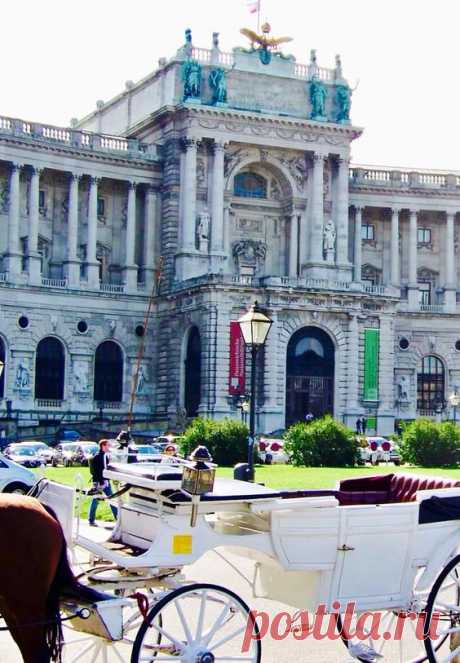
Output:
(274, 476)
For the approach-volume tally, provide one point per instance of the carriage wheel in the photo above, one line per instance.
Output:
(443, 616)
(199, 623)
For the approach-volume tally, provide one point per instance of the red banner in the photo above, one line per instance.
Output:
(236, 384)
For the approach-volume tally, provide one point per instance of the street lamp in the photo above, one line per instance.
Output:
(454, 400)
(254, 326)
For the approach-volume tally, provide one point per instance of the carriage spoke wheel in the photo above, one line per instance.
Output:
(199, 623)
(442, 622)
(399, 638)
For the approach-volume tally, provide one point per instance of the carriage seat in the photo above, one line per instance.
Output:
(388, 488)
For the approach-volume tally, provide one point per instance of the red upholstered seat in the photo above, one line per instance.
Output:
(388, 488)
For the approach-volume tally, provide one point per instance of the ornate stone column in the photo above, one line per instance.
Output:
(189, 200)
(386, 376)
(413, 286)
(358, 244)
(317, 209)
(129, 271)
(293, 245)
(395, 270)
(13, 255)
(151, 197)
(353, 367)
(91, 261)
(34, 217)
(72, 263)
(450, 284)
(217, 198)
(342, 213)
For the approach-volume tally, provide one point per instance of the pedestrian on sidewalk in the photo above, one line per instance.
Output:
(97, 467)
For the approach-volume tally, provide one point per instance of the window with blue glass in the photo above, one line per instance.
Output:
(250, 185)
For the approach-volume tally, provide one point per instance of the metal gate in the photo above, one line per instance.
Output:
(308, 394)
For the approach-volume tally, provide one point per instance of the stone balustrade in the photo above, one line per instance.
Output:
(76, 138)
(362, 176)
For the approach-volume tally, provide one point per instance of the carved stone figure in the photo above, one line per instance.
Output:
(200, 172)
(191, 76)
(329, 236)
(343, 99)
(80, 373)
(298, 169)
(142, 380)
(249, 255)
(218, 85)
(22, 380)
(318, 94)
(403, 389)
(202, 230)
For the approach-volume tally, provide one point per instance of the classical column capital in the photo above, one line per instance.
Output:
(343, 161)
(189, 143)
(413, 212)
(16, 166)
(132, 185)
(37, 170)
(319, 157)
(219, 145)
(94, 180)
(450, 214)
(76, 177)
(395, 210)
(359, 208)
(151, 190)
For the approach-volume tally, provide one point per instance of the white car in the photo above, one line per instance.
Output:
(14, 478)
(379, 450)
(271, 451)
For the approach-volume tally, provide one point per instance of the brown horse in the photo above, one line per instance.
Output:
(34, 572)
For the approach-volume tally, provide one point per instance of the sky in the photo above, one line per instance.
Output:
(59, 57)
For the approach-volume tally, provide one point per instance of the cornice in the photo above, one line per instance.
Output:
(71, 151)
(404, 192)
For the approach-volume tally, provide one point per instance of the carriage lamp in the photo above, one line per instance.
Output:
(198, 478)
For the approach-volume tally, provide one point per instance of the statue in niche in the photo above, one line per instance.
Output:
(318, 94)
(142, 380)
(22, 380)
(403, 389)
(191, 77)
(202, 231)
(218, 85)
(329, 236)
(80, 373)
(343, 99)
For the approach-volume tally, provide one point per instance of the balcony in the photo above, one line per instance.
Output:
(112, 288)
(54, 283)
(49, 403)
(432, 308)
(405, 179)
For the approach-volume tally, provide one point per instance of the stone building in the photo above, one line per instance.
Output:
(233, 171)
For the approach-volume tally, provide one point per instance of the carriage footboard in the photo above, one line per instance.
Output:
(103, 618)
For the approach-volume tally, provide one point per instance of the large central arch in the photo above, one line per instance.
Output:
(310, 367)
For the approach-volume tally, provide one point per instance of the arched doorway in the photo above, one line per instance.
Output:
(108, 373)
(192, 383)
(50, 369)
(309, 375)
(2, 368)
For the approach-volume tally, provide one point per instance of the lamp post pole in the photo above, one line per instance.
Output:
(254, 326)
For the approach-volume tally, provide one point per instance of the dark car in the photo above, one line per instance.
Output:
(87, 451)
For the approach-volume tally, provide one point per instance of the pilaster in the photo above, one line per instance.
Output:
(91, 261)
(151, 201)
(72, 263)
(395, 259)
(358, 243)
(413, 294)
(34, 263)
(13, 257)
(129, 271)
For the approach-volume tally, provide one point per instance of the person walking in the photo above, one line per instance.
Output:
(358, 426)
(363, 425)
(97, 467)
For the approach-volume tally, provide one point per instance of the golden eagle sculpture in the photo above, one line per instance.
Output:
(265, 41)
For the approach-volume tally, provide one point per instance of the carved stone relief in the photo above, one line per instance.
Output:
(249, 255)
(201, 172)
(250, 225)
(4, 196)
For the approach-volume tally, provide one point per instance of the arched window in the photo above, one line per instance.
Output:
(192, 392)
(2, 368)
(108, 373)
(250, 185)
(50, 369)
(430, 385)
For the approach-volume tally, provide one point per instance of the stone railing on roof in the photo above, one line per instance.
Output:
(76, 138)
(403, 178)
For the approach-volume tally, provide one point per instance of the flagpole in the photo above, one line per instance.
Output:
(258, 16)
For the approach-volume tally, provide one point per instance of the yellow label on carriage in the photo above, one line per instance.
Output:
(182, 544)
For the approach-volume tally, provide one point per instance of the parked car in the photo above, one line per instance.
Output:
(148, 453)
(43, 450)
(380, 450)
(15, 478)
(87, 450)
(66, 454)
(24, 455)
(271, 451)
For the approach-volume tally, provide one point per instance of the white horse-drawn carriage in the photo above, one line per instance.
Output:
(388, 543)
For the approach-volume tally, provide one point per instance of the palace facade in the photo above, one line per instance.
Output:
(230, 174)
